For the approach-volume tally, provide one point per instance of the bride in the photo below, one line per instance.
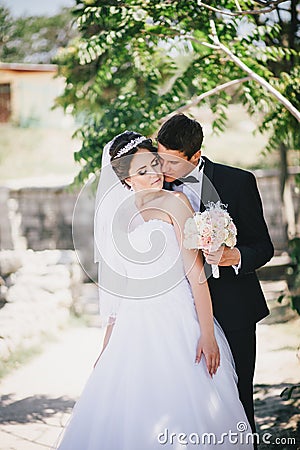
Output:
(165, 376)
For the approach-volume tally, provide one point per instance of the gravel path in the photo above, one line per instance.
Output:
(37, 398)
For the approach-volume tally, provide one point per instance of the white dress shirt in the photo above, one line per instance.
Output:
(193, 193)
(192, 190)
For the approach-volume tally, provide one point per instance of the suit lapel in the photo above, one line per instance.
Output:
(208, 191)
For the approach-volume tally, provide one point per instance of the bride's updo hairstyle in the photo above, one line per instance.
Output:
(122, 150)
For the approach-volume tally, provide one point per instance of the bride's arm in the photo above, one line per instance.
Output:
(180, 210)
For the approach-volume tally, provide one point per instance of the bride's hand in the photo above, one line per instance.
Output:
(209, 347)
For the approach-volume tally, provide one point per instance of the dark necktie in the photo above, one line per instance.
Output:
(188, 179)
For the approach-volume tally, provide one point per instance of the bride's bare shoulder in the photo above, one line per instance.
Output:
(174, 199)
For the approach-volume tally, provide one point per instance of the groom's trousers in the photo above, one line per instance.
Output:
(243, 347)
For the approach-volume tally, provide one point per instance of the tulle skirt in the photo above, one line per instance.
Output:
(146, 392)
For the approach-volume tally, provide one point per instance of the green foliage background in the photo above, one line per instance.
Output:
(34, 39)
(137, 61)
(129, 64)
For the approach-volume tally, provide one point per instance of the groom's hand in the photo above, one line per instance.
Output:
(225, 256)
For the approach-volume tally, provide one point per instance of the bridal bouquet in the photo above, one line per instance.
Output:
(210, 229)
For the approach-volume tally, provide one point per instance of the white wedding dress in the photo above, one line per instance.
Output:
(146, 384)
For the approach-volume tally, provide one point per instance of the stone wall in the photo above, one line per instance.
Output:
(41, 218)
(37, 292)
(46, 216)
(280, 220)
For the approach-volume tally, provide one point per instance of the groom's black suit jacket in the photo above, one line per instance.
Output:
(238, 300)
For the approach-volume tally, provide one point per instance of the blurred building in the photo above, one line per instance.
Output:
(27, 95)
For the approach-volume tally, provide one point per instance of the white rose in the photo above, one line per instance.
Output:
(191, 242)
(231, 240)
(190, 227)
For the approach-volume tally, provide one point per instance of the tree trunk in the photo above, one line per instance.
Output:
(288, 208)
(283, 168)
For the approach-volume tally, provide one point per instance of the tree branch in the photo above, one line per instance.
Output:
(238, 6)
(264, 2)
(205, 44)
(289, 106)
(218, 45)
(200, 97)
(270, 8)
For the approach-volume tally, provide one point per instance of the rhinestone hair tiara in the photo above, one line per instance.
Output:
(130, 146)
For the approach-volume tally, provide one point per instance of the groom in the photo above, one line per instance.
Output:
(237, 297)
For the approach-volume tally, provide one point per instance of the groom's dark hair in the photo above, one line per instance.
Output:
(181, 133)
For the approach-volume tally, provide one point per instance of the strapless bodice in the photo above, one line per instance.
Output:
(154, 265)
